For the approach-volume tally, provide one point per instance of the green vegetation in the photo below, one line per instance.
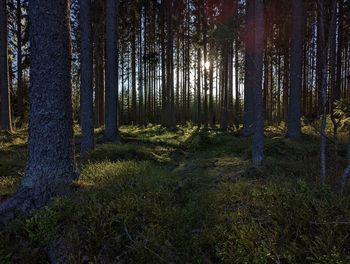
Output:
(185, 196)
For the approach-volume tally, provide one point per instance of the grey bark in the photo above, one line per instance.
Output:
(323, 93)
(170, 67)
(20, 93)
(324, 46)
(86, 86)
(133, 72)
(248, 115)
(163, 65)
(294, 111)
(111, 115)
(345, 176)
(5, 111)
(199, 109)
(51, 166)
(258, 137)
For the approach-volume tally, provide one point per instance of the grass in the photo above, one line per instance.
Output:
(186, 196)
(12, 160)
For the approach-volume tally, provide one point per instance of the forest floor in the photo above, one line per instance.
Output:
(185, 196)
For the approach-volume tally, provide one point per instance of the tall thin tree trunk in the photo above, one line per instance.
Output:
(211, 88)
(237, 82)
(20, 95)
(96, 79)
(170, 66)
(163, 62)
(5, 111)
(258, 138)
(111, 119)
(294, 123)
(133, 71)
(205, 51)
(86, 86)
(248, 117)
(101, 84)
(199, 109)
(325, 52)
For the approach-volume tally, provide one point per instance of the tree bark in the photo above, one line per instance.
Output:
(248, 115)
(111, 114)
(86, 88)
(51, 166)
(258, 137)
(294, 123)
(5, 111)
(170, 66)
(20, 93)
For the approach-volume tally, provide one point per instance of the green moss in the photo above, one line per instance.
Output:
(187, 195)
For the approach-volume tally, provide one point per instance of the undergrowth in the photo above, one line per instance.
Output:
(187, 195)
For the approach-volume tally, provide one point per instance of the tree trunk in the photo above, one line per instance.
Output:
(111, 115)
(86, 88)
(170, 66)
(294, 124)
(248, 116)
(199, 109)
(237, 82)
(258, 138)
(5, 111)
(51, 166)
(133, 71)
(20, 93)
(205, 53)
(324, 46)
(163, 62)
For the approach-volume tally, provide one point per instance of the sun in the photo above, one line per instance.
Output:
(207, 65)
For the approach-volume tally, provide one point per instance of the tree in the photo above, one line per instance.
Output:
(5, 115)
(170, 119)
(51, 166)
(249, 69)
(86, 88)
(324, 47)
(294, 124)
(111, 119)
(258, 137)
(19, 62)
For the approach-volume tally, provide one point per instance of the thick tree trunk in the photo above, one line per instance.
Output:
(86, 88)
(5, 111)
(111, 115)
(51, 166)
(294, 123)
